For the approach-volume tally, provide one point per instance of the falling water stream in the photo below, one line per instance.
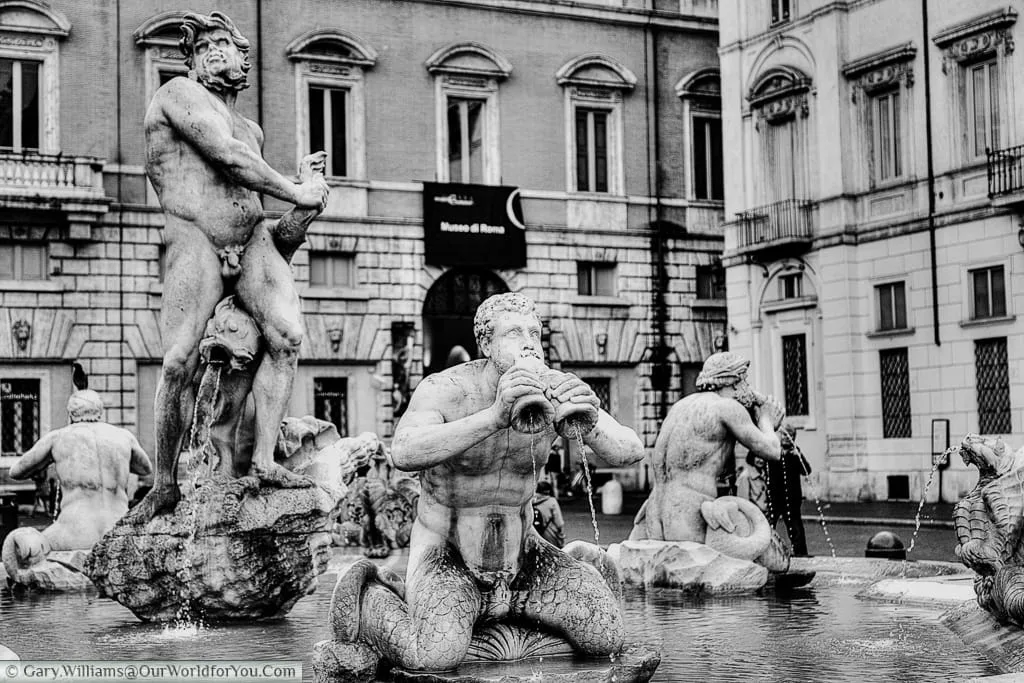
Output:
(201, 468)
(575, 433)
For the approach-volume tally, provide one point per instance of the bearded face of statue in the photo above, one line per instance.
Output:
(516, 336)
(218, 63)
(745, 394)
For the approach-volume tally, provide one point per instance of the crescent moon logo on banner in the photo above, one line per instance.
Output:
(510, 210)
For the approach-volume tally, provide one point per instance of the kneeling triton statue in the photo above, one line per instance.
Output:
(475, 558)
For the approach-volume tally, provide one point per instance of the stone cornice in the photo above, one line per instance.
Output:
(978, 37)
(1000, 19)
(883, 69)
(595, 13)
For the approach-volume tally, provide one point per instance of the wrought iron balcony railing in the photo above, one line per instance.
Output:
(775, 224)
(1005, 171)
(50, 175)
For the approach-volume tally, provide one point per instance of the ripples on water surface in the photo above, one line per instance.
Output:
(818, 634)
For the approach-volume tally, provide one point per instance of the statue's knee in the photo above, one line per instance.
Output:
(285, 339)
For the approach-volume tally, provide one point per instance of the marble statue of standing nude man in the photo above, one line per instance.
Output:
(696, 441)
(205, 162)
(474, 556)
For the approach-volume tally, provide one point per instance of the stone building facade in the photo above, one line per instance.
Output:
(873, 242)
(602, 116)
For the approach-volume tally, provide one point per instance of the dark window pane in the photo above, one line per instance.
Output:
(998, 286)
(7, 256)
(475, 127)
(895, 377)
(885, 307)
(582, 154)
(794, 369)
(900, 319)
(717, 177)
(316, 119)
(19, 415)
(6, 103)
(993, 378)
(455, 141)
(700, 158)
(33, 262)
(600, 151)
(605, 276)
(339, 137)
(584, 279)
(980, 282)
(30, 105)
(330, 402)
(318, 270)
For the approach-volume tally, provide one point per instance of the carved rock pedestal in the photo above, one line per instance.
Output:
(62, 571)
(232, 551)
(686, 565)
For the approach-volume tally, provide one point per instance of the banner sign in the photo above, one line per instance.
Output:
(473, 225)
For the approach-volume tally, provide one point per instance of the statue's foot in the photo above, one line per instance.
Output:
(159, 501)
(279, 477)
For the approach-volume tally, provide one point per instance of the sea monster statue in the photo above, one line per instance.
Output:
(989, 521)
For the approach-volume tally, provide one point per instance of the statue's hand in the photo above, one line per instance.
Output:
(312, 165)
(770, 407)
(513, 385)
(312, 194)
(570, 388)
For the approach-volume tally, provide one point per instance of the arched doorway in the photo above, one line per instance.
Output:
(448, 313)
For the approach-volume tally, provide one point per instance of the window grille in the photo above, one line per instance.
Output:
(895, 376)
(602, 387)
(993, 380)
(330, 401)
(794, 370)
(19, 415)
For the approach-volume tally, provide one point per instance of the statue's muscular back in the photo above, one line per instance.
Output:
(193, 191)
(693, 443)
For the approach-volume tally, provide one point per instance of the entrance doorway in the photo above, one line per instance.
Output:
(448, 312)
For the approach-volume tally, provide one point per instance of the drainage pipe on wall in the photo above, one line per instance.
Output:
(931, 170)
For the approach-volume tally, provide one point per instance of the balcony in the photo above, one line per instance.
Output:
(777, 230)
(1006, 175)
(70, 185)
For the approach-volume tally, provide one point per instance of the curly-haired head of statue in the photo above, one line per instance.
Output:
(219, 67)
(85, 406)
(723, 369)
(483, 321)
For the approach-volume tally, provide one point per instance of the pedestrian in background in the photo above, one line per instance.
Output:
(547, 515)
(751, 483)
(785, 489)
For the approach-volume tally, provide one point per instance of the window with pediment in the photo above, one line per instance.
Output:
(467, 79)
(880, 83)
(701, 94)
(595, 88)
(158, 38)
(779, 102)
(976, 58)
(330, 68)
(29, 72)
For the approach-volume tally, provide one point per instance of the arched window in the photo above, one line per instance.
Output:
(701, 93)
(330, 102)
(29, 72)
(595, 87)
(466, 81)
(158, 37)
(448, 311)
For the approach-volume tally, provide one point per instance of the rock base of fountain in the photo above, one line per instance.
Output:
(335, 662)
(233, 550)
(1002, 644)
(685, 565)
